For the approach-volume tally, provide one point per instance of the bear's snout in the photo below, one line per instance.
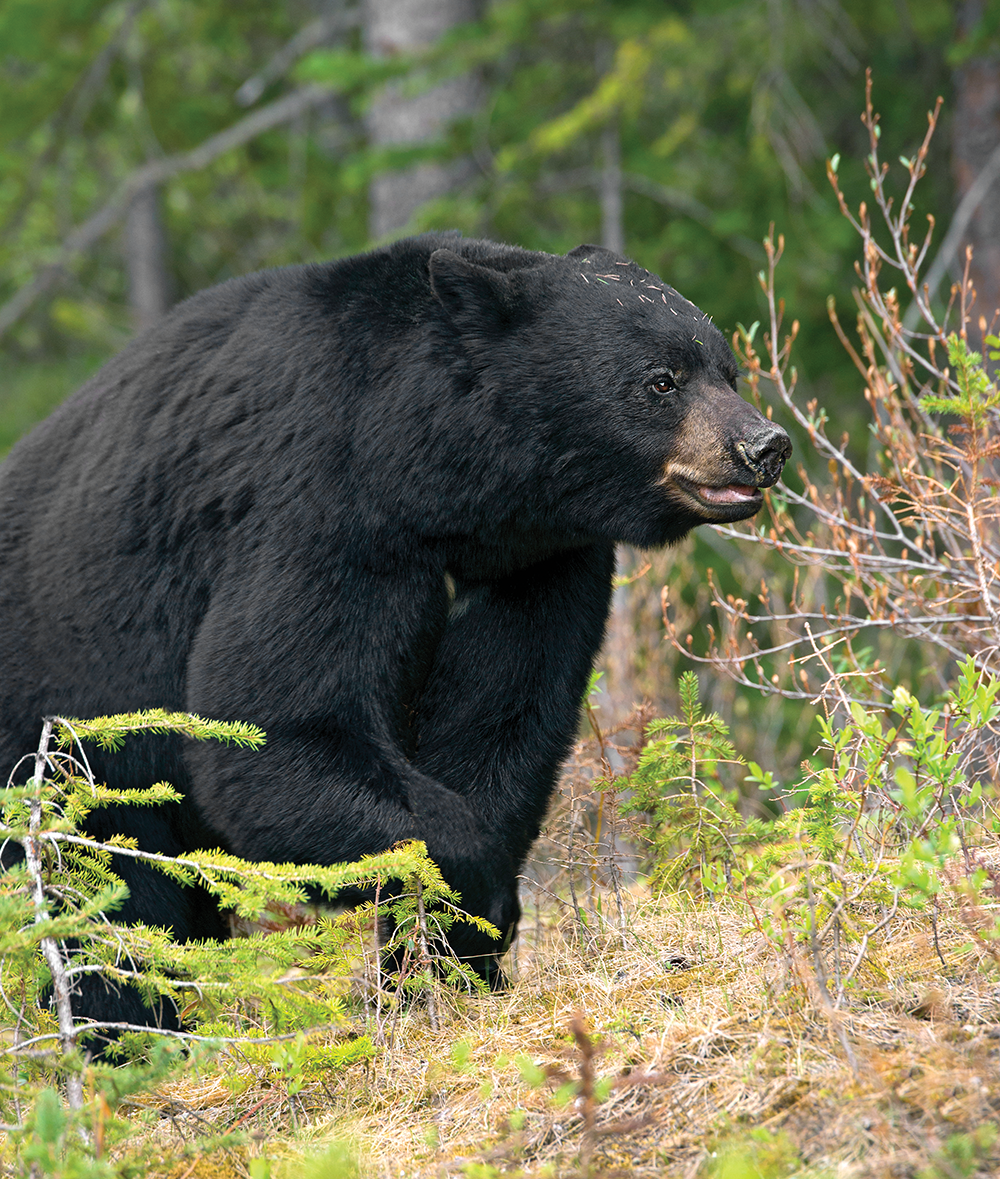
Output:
(765, 452)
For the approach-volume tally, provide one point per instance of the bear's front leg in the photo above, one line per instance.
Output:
(327, 657)
(501, 707)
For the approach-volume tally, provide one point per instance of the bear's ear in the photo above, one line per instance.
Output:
(586, 248)
(475, 297)
(588, 252)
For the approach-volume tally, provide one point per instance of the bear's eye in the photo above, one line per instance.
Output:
(664, 385)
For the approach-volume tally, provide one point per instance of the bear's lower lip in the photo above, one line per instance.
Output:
(732, 493)
(721, 504)
(733, 501)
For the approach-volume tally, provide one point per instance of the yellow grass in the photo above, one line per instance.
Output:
(728, 1061)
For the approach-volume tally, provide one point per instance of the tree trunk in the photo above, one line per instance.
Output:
(975, 138)
(612, 201)
(405, 26)
(621, 684)
(611, 189)
(145, 259)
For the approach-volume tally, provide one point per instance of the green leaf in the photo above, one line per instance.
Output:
(530, 1072)
(50, 1117)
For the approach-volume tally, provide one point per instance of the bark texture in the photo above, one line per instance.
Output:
(976, 137)
(396, 119)
(149, 286)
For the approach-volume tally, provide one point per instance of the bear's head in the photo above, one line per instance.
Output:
(626, 390)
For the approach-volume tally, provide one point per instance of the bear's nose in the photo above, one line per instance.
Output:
(766, 452)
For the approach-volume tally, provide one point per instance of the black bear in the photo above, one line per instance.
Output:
(370, 506)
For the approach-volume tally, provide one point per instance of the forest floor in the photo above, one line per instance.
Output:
(684, 1043)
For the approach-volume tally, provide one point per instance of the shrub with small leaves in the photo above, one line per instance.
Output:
(692, 821)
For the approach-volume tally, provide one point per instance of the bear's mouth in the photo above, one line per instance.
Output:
(729, 496)
(732, 493)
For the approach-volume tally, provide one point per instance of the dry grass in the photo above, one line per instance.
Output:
(710, 1032)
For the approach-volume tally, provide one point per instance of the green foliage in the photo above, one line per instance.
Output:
(883, 823)
(758, 1154)
(720, 109)
(31, 392)
(694, 821)
(92, 90)
(976, 395)
(109, 732)
(338, 1161)
(962, 1155)
(82, 1144)
(280, 994)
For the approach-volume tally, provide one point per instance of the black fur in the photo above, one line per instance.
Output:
(370, 506)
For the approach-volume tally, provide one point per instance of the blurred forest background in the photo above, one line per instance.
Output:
(149, 148)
